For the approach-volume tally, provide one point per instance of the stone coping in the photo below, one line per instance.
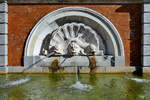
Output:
(76, 1)
(71, 70)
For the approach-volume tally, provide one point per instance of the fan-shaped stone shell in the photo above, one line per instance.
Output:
(75, 39)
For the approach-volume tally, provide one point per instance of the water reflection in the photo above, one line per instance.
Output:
(55, 78)
(134, 90)
(16, 94)
(93, 79)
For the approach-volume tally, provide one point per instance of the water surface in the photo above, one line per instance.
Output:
(61, 87)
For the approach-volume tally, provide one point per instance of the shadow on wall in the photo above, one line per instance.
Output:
(135, 32)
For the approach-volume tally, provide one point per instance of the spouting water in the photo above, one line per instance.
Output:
(77, 77)
(78, 84)
(14, 83)
(26, 79)
(139, 80)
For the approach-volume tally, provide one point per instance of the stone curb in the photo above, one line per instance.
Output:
(70, 70)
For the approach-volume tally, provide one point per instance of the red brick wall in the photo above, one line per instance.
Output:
(126, 19)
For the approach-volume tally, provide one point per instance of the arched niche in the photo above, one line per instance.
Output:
(106, 31)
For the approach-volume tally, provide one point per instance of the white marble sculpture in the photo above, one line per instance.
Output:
(73, 39)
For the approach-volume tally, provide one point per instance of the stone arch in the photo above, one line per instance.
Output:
(105, 29)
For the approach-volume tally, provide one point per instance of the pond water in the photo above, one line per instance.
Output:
(66, 87)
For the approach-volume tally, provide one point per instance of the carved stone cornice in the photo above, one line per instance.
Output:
(76, 1)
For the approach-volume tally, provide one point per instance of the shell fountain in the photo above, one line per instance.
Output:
(74, 39)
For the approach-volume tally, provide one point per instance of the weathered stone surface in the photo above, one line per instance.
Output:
(146, 70)
(47, 62)
(45, 69)
(3, 7)
(146, 36)
(146, 61)
(20, 69)
(34, 70)
(119, 61)
(146, 50)
(120, 69)
(31, 61)
(146, 28)
(3, 50)
(146, 17)
(74, 61)
(146, 39)
(2, 1)
(3, 39)
(146, 1)
(16, 69)
(99, 70)
(146, 7)
(102, 61)
(3, 60)
(3, 18)
(3, 70)
(83, 61)
(70, 70)
(73, 1)
(125, 69)
(84, 70)
(28, 61)
(3, 28)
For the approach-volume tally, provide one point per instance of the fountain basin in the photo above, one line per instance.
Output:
(57, 87)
